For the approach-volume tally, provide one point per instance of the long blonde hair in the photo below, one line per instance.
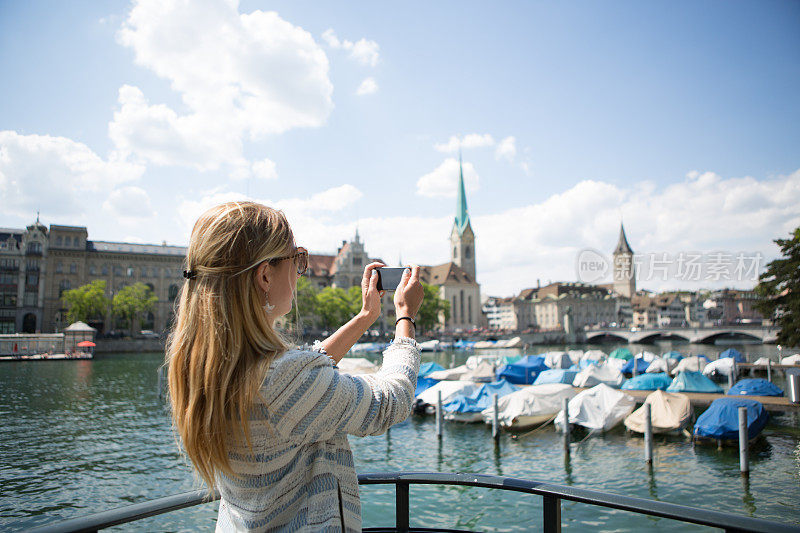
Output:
(222, 343)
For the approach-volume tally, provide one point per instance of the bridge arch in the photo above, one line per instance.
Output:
(732, 334)
(652, 336)
(605, 336)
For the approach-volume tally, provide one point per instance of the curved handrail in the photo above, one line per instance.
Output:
(551, 493)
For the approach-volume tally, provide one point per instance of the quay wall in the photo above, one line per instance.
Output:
(128, 345)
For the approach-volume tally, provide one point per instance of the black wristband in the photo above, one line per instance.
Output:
(406, 318)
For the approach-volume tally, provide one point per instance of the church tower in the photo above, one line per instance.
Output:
(624, 269)
(462, 238)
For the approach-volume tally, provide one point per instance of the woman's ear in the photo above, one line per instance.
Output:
(263, 274)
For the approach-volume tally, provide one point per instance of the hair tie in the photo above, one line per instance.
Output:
(189, 274)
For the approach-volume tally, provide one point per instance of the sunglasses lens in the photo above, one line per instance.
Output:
(302, 262)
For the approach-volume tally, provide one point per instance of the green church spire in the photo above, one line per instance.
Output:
(462, 217)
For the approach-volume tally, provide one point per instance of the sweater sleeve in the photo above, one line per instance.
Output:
(320, 402)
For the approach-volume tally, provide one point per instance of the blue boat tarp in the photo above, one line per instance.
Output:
(641, 366)
(480, 399)
(755, 387)
(427, 368)
(735, 354)
(523, 371)
(688, 381)
(621, 353)
(556, 375)
(658, 381)
(672, 354)
(424, 384)
(721, 419)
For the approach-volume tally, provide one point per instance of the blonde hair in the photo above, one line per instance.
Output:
(222, 342)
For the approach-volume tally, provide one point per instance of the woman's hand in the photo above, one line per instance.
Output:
(409, 293)
(370, 295)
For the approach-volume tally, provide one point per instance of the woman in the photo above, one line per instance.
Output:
(262, 422)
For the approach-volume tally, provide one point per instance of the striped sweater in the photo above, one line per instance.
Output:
(299, 475)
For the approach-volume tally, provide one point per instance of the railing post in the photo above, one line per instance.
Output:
(769, 370)
(635, 360)
(551, 514)
(401, 507)
(566, 427)
(744, 460)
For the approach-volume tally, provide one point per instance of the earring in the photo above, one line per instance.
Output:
(267, 307)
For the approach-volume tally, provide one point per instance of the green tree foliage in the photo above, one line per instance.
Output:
(779, 290)
(432, 306)
(131, 301)
(86, 302)
(306, 302)
(334, 307)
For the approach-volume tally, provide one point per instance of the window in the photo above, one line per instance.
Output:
(32, 278)
(64, 285)
(117, 270)
(92, 270)
(30, 299)
(469, 306)
(59, 268)
(8, 299)
(467, 253)
(129, 272)
(105, 270)
(35, 248)
(173, 292)
(59, 241)
(73, 268)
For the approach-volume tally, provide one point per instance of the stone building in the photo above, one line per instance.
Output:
(38, 264)
(659, 310)
(571, 306)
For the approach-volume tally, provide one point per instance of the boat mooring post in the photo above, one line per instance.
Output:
(648, 435)
(634, 366)
(730, 376)
(744, 460)
(769, 370)
(566, 428)
(439, 414)
(495, 420)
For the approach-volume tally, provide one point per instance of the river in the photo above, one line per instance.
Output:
(80, 437)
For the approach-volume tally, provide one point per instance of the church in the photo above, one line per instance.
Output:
(456, 279)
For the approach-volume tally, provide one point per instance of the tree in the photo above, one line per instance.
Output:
(86, 302)
(779, 290)
(133, 300)
(432, 306)
(306, 301)
(334, 307)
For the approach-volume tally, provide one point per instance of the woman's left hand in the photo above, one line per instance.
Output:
(370, 295)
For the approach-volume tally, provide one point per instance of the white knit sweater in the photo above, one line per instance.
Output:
(299, 475)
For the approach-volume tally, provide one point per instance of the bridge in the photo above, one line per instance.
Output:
(764, 334)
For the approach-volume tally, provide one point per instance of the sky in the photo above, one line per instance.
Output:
(679, 118)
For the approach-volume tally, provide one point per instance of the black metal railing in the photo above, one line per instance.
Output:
(551, 498)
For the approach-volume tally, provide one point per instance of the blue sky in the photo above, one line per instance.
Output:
(682, 118)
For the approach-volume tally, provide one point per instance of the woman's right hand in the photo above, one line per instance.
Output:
(409, 294)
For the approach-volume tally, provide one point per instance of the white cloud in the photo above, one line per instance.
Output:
(364, 51)
(129, 205)
(473, 140)
(240, 76)
(265, 169)
(506, 149)
(55, 173)
(368, 86)
(443, 181)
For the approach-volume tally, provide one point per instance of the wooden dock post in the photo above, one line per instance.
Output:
(635, 360)
(439, 414)
(648, 435)
(566, 428)
(769, 370)
(744, 460)
(495, 420)
(731, 379)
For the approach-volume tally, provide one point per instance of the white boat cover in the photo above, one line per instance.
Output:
(760, 361)
(432, 345)
(791, 360)
(593, 375)
(669, 411)
(690, 364)
(557, 360)
(661, 365)
(449, 373)
(484, 372)
(575, 355)
(484, 344)
(357, 365)
(597, 409)
(450, 389)
(647, 356)
(474, 360)
(616, 362)
(594, 355)
(513, 342)
(722, 366)
(536, 400)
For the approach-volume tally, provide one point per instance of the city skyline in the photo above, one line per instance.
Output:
(679, 121)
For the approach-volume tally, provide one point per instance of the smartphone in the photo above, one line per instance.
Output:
(389, 277)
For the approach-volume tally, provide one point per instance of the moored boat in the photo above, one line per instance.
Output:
(720, 422)
(597, 409)
(669, 412)
(530, 406)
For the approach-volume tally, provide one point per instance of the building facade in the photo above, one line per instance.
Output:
(572, 306)
(37, 265)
